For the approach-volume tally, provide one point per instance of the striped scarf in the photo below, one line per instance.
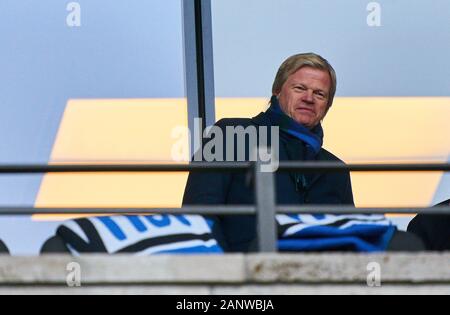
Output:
(192, 234)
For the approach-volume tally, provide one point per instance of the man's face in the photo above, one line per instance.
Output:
(304, 96)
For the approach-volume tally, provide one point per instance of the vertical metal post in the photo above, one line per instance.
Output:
(198, 60)
(265, 210)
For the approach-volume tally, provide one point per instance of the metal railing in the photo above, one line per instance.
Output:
(265, 207)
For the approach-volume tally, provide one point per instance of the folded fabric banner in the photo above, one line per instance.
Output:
(360, 233)
(159, 234)
(141, 235)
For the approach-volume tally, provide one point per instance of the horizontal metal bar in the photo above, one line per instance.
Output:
(332, 166)
(352, 210)
(204, 210)
(66, 168)
(228, 210)
(221, 167)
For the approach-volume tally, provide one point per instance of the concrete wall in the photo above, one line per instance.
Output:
(230, 274)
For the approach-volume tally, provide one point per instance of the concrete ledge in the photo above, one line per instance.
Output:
(229, 274)
(103, 269)
(339, 268)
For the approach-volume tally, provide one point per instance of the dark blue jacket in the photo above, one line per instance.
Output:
(237, 233)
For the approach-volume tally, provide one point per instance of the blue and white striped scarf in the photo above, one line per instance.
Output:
(162, 234)
(140, 235)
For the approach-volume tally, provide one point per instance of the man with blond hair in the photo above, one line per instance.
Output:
(302, 94)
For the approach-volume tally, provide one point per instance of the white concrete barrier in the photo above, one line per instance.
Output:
(399, 273)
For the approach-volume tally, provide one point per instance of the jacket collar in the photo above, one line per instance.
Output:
(263, 120)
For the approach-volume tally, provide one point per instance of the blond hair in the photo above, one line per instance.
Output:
(294, 63)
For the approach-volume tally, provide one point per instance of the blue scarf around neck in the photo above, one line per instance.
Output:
(312, 138)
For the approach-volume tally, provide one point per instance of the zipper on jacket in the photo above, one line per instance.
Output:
(300, 183)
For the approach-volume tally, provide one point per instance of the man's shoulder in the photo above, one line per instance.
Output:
(234, 122)
(328, 156)
(259, 120)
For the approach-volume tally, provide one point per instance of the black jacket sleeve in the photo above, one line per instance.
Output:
(348, 195)
(433, 229)
(209, 188)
